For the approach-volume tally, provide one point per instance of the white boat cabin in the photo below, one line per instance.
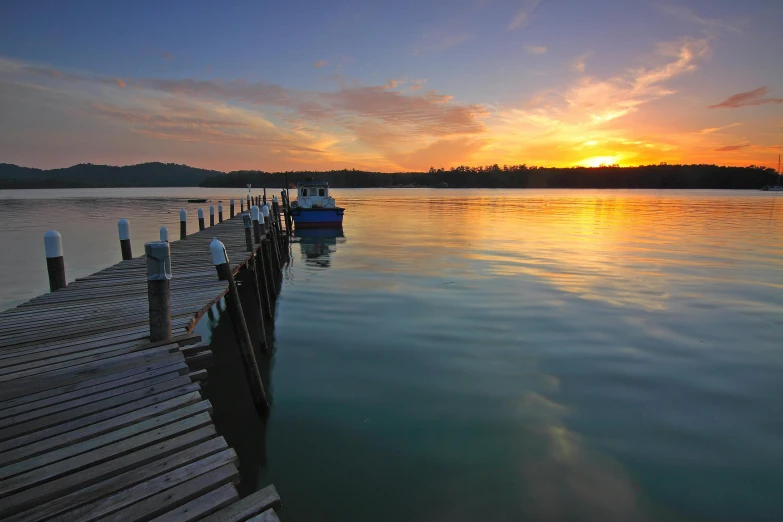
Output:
(313, 194)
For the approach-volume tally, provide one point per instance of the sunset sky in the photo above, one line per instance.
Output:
(391, 86)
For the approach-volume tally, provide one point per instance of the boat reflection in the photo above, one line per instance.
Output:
(317, 245)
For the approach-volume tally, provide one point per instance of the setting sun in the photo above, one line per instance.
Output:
(597, 161)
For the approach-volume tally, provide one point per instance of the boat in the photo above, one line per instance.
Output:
(197, 201)
(774, 188)
(314, 208)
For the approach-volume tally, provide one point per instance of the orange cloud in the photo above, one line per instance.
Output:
(746, 99)
(731, 148)
(319, 64)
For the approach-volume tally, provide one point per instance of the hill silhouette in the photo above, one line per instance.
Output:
(522, 176)
(156, 174)
(153, 174)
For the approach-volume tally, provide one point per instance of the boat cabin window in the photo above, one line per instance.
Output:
(320, 192)
(304, 192)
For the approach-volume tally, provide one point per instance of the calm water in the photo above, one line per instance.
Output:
(492, 355)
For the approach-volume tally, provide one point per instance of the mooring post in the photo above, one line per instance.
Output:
(164, 234)
(55, 264)
(231, 208)
(125, 245)
(220, 213)
(212, 215)
(247, 220)
(253, 265)
(278, 222)
(183, 224)
(159, 289)
(234, 305)
(272, 239)
(248, 202)
(200, 219)
(254, 214)
(241, 205)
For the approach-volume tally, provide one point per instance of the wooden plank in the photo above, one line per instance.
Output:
(165, 501)
(266, 516)
(200, 361)
(27, 449)
(249, 506)
(57, 395)
(27, 480)
(46, 406)
(101, 472)
(198, 376)
(151, 386)
(72, 502)
(196, 509)
(104, 439)
(181, 384)
(56, 378)
(68, 424)
(143, 490)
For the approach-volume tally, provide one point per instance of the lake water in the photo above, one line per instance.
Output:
(493, 355)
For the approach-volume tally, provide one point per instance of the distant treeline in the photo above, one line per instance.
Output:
(89, 175)
(493, 176)
(661, 176)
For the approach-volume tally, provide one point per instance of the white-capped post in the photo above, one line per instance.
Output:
(248, 222)
(159, 289)
(234, 306)
(201, 219)
(125, 245)
(183, 224)
(264, 223)
(231, 208)
(212, 215)
(164, 234)
(55, 264)
(242, 205)
(255, 214)
(220, 213)
(248, 202)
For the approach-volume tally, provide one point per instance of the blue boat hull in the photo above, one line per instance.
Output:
(317, 217)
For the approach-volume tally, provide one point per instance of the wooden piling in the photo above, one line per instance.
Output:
(234, 305)
(231, 208)
(248, 222)
(212, 215)
(125, 244)
(164, 234)
(183, 224)
(200, 219)
(220, 213)
(254, 213)
(159, 289)
(55, 264)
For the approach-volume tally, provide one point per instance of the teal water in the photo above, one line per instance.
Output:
(500, 355)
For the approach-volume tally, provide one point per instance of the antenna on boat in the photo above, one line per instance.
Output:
(248, 188)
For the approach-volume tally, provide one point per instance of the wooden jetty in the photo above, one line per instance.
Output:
(99, 423)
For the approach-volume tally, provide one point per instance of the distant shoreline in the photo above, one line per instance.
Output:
(158, 175)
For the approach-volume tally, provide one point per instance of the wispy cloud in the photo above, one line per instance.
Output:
(166, 56)
(441, 40)
(535, 49)
(731, 148)
(717, 129)
(709, 25)
(319, 64)
(605, 100)
(746, 99)
(522, 16)
(580, 63)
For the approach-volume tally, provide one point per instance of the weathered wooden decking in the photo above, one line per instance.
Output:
(96, 422)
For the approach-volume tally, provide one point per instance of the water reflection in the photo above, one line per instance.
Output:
(318, 244)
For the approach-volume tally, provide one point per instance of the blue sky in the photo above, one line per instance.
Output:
(391, 85)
